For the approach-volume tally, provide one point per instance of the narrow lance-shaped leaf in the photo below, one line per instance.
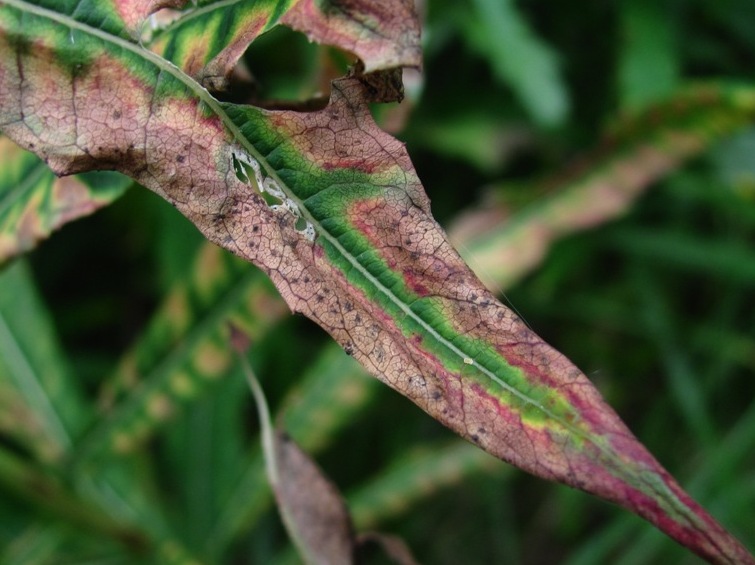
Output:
(638, 151)
(331, 208)
(33, 202)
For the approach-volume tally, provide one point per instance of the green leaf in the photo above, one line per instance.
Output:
(40, 402)
(414, 476)
(519, 59)
(42, 490)
(33, 202)
(332, 209)
(649, 61)
(181, 354)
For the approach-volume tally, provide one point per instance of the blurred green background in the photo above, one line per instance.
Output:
(126, 431)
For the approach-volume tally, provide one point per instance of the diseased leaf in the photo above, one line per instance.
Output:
(382, 34)
(133, 13)
(331, 208)
(637, 152)
(207, 41)
(33, 202)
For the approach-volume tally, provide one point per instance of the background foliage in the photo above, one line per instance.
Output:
(112, 331)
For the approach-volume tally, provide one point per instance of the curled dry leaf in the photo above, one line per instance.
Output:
(332, 209)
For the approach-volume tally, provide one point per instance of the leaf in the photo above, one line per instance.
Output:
(519, 59)
(181, 353)
(638, 151)
(42, 490)
(33, 202)
(329, 394)
(417, 475)
(42, 404)
(311, 506)
(384, 34)
(331, 208)
(649, 65)
(314, 511)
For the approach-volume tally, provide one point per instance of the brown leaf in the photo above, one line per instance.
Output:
(312, 507)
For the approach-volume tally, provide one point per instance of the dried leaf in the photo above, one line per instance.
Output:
(311, 506)
(383, 34)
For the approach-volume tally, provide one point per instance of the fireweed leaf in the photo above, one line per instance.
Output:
(331, 208)
(637, 152)
(382, 34)
(33, 202)
(208, 41)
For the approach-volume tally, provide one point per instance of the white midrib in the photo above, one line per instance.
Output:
(202, 93)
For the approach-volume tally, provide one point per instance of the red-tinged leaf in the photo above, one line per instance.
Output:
(34, 203)
(332, 209)
(383, 35)
(637, 152)
(133, 13)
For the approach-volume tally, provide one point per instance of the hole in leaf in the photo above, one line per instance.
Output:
(239, 169)
(270, 199)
